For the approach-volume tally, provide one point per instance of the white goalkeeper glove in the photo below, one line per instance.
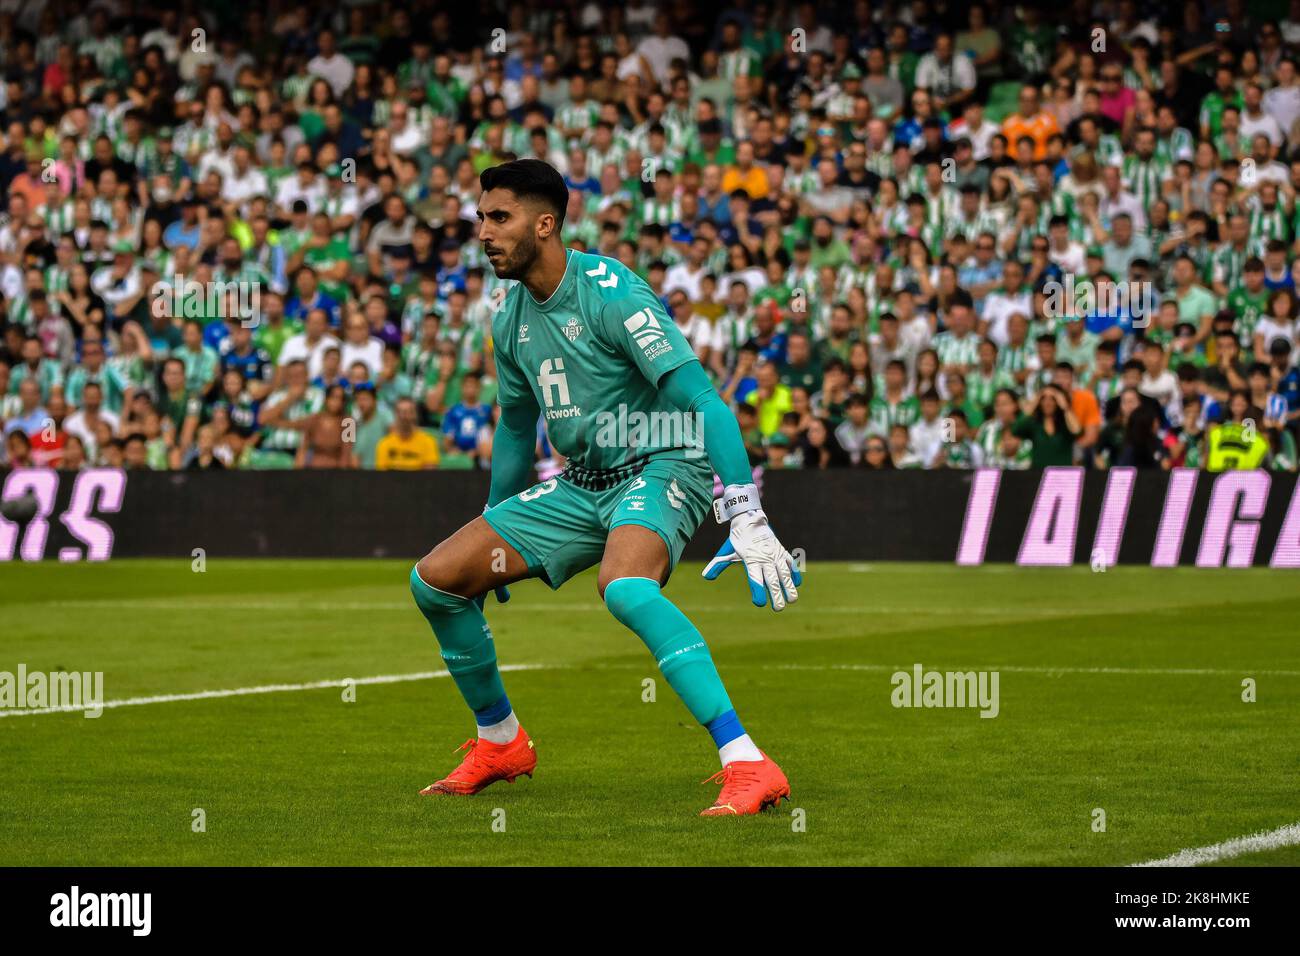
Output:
(768, 565)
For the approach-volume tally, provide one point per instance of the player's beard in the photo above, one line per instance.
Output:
(516, 264)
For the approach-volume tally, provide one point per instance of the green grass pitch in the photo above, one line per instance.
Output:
(1119, 690)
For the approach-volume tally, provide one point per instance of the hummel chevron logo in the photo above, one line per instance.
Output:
(676, 497)
(600, 270)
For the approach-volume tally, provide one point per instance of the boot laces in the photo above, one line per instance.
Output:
(733, 777)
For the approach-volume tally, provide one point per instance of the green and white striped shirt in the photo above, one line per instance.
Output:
(288, 439)
(989, 438)
(957, 350)
(1145, 178)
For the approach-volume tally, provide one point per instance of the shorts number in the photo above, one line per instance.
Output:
(538, 490)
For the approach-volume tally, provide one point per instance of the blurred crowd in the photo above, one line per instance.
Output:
(898, 235)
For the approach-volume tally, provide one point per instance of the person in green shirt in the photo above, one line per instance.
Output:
(1249, 301)
(93, 368)
(34, 365)
(329, 256)
(1224, 94)
(1196, 304)
(373, 422)
(894, 406)
(202, 363)
(1049, 423)
(273, 328)
(770, 398)
(712, 150)
(181, 407)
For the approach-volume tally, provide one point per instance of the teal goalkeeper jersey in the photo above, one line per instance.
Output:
(591, 357)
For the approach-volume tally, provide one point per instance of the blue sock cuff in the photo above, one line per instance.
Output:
(494, 713)
(725, 728)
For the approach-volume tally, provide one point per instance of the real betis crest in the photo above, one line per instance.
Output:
(572, 330)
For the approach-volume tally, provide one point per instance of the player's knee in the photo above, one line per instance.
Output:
(432, 581)
(623, 596)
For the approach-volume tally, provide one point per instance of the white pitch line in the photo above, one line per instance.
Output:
(1256, 843)
(263, 689)
(1139, 671)
(430, 675)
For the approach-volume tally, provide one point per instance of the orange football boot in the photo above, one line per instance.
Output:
(748, 786)
(486, 763)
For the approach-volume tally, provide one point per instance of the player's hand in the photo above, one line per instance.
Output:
(767, 563)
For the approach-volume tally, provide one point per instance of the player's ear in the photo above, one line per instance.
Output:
(545, 225)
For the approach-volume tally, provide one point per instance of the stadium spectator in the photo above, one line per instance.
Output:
(406, 447)
(928, 210)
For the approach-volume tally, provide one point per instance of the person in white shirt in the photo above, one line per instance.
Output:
(1010, 298)
(686, 275)
(926, 436)
(947, 76)
(1282, 102)
(1116, 200)
(1255, 121)
(306, 185)
(661, 48)
(360, 346)
(330, 65)
(1266, 168)
(310, 344)
(119, 283)
(405, 137)
(1070, 256)
(974, 127)
(86, 419)
(693, 326)
(245, 180)
(1157, 381)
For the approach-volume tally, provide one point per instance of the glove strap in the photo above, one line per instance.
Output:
(736, 500)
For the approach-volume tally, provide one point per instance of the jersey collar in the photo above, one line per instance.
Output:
(554, 298)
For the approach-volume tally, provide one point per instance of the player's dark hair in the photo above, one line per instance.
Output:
(530, 179)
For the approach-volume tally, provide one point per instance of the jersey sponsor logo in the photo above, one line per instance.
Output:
(554, 383)
(572, 330)
(611, 282)
(648, 333)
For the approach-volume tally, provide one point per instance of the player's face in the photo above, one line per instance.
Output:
(508, 231)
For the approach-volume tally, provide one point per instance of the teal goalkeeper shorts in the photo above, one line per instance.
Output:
(560, 528)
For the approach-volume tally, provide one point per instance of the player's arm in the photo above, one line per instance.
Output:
(514, 441)
(513, 446)
(770, 568)
(638, 327)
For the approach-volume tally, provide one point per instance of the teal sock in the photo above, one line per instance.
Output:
(676, 644)
(466, 642)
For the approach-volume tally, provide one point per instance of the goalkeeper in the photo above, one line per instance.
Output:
(582, 340)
